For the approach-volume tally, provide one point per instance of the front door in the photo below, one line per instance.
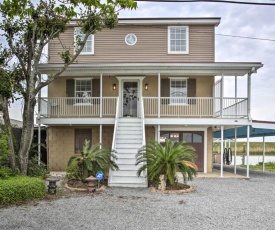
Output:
(130, 99)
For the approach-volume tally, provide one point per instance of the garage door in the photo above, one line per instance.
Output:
(193, 138)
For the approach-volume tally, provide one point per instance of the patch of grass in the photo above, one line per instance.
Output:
(19, 189)
(269, 166)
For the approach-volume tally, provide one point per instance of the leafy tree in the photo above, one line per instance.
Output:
(168, 161)
(28, 27)
(92, 160)
(9, 78)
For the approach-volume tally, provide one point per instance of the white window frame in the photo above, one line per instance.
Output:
(186, 38)
(184, 102)
(90, 39)
(84, 101)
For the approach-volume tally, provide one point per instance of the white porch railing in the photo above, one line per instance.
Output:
(195, 107)
(169, 107)
(78, 107)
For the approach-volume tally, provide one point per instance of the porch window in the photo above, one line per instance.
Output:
(80, 136)
(83, 90)
(89, 45)
(178, 91)
(178, 40)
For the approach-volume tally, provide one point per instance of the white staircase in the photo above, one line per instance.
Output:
(128, 139)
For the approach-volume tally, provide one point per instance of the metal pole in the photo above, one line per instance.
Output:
(100, 135)
(158, 137)
(249, 95)
(263, 153)
(222, 92)
(221, 151)
(247, 151)
(236, 92)
(39, 125)
(235, 152)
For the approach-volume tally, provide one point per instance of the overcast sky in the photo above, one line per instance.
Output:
(236, 19)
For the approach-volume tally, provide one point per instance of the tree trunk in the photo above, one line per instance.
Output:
(27, 134)
(5, 110)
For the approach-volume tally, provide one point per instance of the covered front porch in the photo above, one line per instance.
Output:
(159, 90)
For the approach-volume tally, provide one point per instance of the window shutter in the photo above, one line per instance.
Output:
(96, 90)
(191, 91)
(70, 91)
(165, 90)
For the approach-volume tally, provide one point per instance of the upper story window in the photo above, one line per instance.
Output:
(89, 45)
(178, 40)
(178, 90)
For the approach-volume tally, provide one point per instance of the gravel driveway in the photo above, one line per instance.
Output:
(216, 204)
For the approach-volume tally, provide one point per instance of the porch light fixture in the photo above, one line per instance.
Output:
(114, 86)
(146, 86)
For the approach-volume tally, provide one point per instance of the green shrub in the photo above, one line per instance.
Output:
(72, 171)
(92, 159)
(20, 189)
(35, 170)
(167, 160)
(6, 172)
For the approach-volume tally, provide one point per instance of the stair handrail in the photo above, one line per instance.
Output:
(142, 121)
(114, 135)
(115, 126)
(143, 132)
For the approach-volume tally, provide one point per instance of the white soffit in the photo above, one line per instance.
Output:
(202, 69)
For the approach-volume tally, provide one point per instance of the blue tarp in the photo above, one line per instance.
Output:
(242, 133)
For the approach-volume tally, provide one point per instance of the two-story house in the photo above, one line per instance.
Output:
(147, 79)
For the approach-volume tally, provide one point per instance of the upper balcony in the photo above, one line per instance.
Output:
(154, 107)
(161, 93)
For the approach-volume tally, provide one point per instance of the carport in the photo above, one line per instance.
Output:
(256, 129)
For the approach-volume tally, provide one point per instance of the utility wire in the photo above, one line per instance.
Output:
(236, 36)
(214, 1)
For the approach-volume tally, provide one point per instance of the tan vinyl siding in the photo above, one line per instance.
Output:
(151, 46)
(62, 143)
(203, 86)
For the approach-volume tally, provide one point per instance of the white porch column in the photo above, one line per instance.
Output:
(263, 153)
(235, 151)
(221, 94)
(39, 126)
(100, 108)
(249, 96)
(158, 137)
(222, 151)
(100, 135)
(247, 151)
(236, 94)
(159, 82)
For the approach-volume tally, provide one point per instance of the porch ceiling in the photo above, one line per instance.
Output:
(202, 69)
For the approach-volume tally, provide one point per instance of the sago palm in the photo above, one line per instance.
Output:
(167, 160)
(93, 159)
